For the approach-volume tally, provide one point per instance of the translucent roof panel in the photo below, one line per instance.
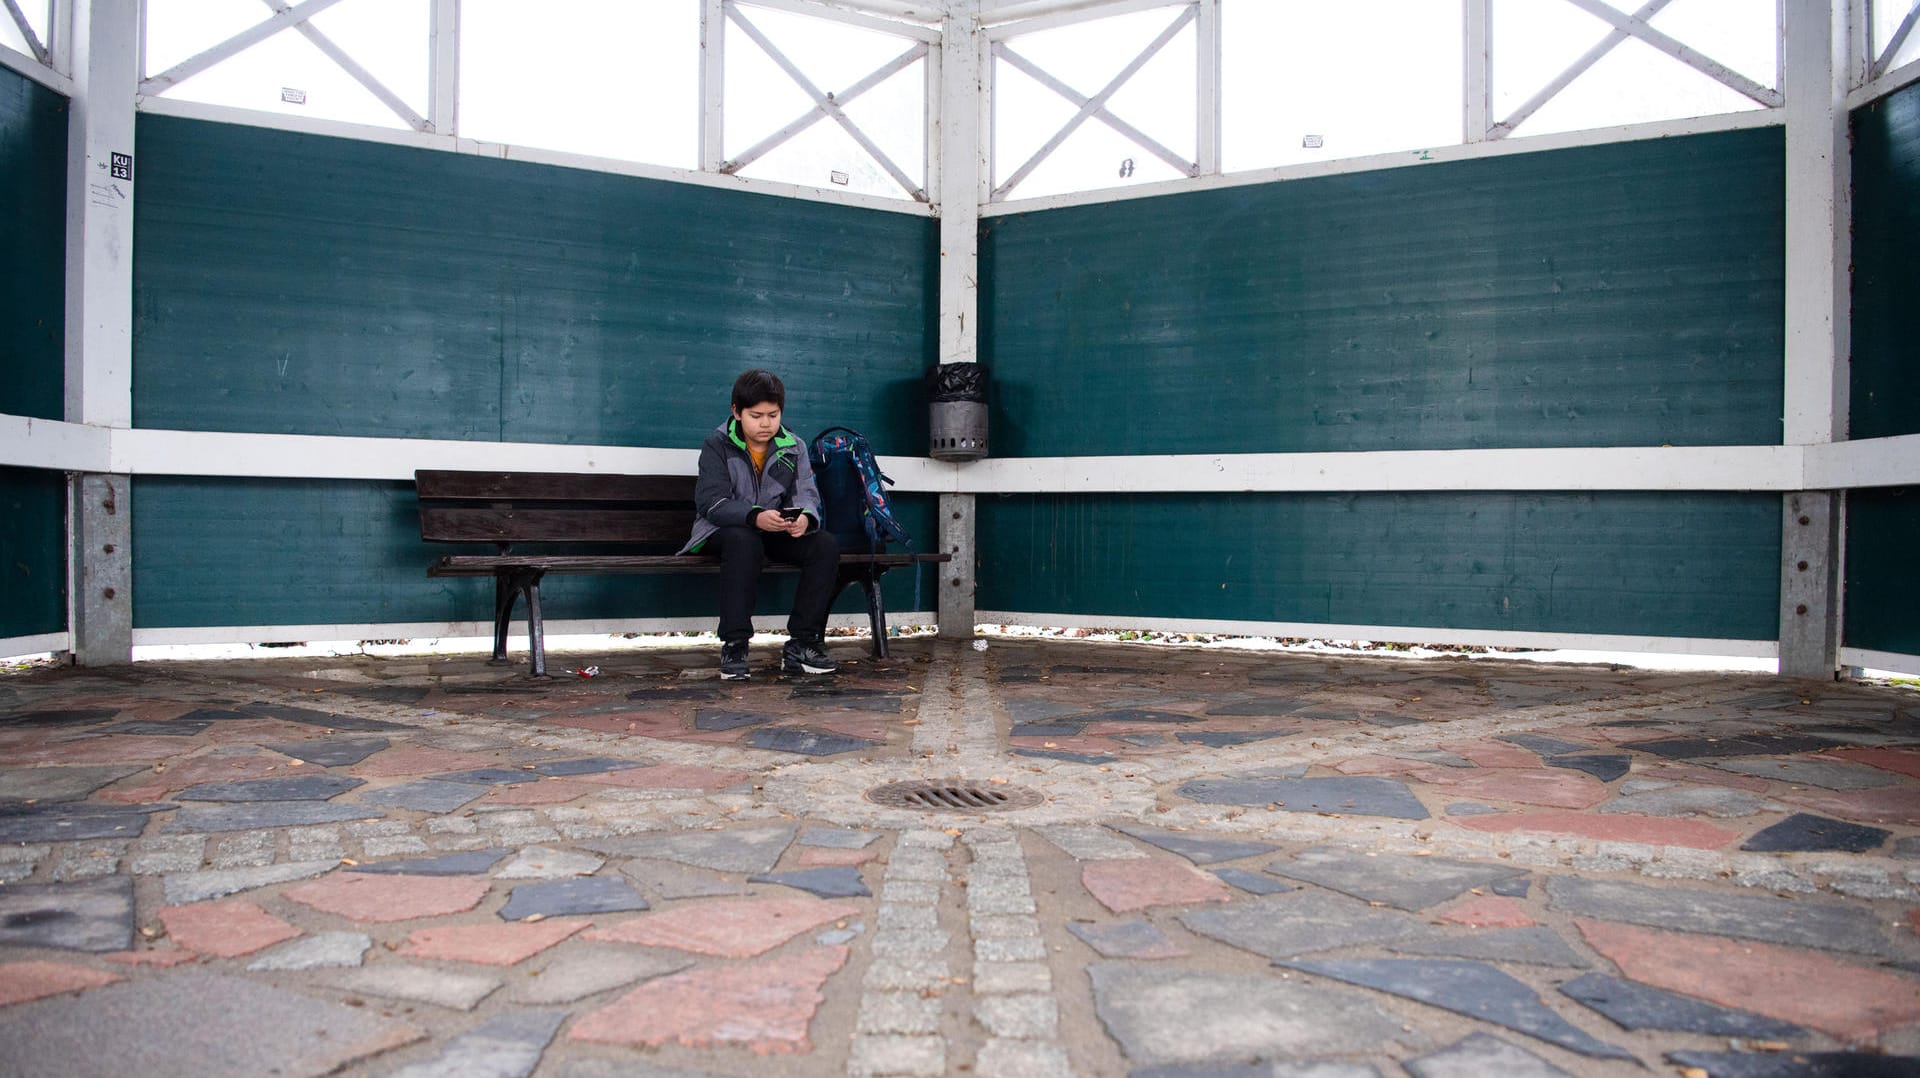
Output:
(1311, 82)
(38, 14)
(1888, 16)
(292, 72)
(607, 78)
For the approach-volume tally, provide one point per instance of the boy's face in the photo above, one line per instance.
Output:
(758, 422)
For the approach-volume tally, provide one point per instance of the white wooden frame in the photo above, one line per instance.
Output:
(42, 51)
(1882, 53)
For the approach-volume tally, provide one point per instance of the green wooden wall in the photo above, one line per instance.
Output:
(288, 283)
(1883, 581)
(1689, 565)
(1886, 275)
(1626, 294)
(33, 552)
(333, 552)
(33, 238)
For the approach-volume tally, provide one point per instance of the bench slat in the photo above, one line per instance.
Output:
(456, 525)
(488, 564)
(551, 486)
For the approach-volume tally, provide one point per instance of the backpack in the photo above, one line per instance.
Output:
(853, 496)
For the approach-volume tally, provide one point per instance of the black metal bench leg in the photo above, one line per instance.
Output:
(536, 631)
(505, 591)
(876, 614)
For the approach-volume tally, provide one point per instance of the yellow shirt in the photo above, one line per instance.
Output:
(759, 458)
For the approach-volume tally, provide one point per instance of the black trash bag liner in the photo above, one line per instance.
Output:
(950, 382)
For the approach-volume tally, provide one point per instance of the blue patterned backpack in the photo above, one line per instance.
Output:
(853, 494)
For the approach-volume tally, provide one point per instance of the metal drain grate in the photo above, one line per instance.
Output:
(953, 795)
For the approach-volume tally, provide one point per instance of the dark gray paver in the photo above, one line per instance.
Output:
(1536, 945)
(1316, 1069)
(1141, 741)
(423, 795)
(1547, 746)
(55, 718)
(507, 1046)
(713, 718)
(50, 784)
(838, 838)
(1282, 926)
(585, 973)
(836, 881)
(1694, 748)
(589, 765)
(665, 880)
(389, 694)
(565, 898)
(1408, 883)
(307, 716)
(1364, 796)
(1201, 851)
(1069, 757)
(799, 739)
(1798, 1064)
(1483, 1055)
(1805, 831)
(1162, 1016)
(301, 788)
(1046, 729)
(1132, 938)
(1474, 989)
(742, 849)
(1601, 765)
(87, 915)
(1225, 739)
(1034, 709)
(193, 1024)
(466, 863)
(67, 821)
(160, 728)
(1716, 801)
(488, 776)
(249, 816)
(677, 693)
(1259, 707)
(184, 887)
(1253, 883)
(1799, 922)
(1516, 887)
(1637, 1006)
(1138, 714)
(1826, 774)
(327, 950)
(332, 751)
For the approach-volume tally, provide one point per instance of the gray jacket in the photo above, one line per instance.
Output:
(727, 493)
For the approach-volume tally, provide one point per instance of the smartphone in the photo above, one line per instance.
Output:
(790, 513)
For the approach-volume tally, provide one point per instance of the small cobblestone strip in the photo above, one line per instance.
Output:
(1012, 985)
(897, 1031)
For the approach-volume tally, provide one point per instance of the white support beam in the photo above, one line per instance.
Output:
(1207, 88)
(1818, 222)
(100, 182)
(1476, 71)
(847, 16)
(1680, 51)
(1894, 41)
(1006, 55)
(34, 44)
(819, 111)
(713, 84)
(443, 68)
(22, 64)
(239, 42)
(962, 63)
(354, 69)
(1578, 68)
(1012, 20)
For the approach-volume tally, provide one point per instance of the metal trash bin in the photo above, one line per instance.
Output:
(957, 411)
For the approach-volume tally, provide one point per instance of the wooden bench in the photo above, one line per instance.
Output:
(636, 512)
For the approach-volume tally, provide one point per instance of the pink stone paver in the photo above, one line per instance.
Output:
(814, 856)
(670, 777)
(1126, 887)
(1552, 787)
(1894, 806)
(493, 945)
(765, 1006)
(1489, 911)
(1899, 761)
(114, 749)
(1381, 765)
(543, 792)
(728, 927)
(1651, 830)
(1794, 985)
(359, 897)
(413, 761)
(161, 959)
(225, 929)
(23, 981)
(1494, 753)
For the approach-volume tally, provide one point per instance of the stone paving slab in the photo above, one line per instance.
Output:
(90, 915)
(1282, 926)
(489, 944)
(184, 887)
(382, 899)
(566, 980)
(225, 929)
(508, 1046)
(328, 950)
(727, 928)
(1197, 849)
(216, 1026)
(468, 863)
(424, 795)
(421, 984)
(1351, 796)
(1763, 917)
(1532, 946)
(1804, 832)
(744, 849)
(1483, 1055)
(765, 1006)
(22, 982)
(48, 784)
(1797, 1065)
(72, 821)
(584, 895)
(1634, 1006)
(1408, 883)
(262, 815)
(828, 882)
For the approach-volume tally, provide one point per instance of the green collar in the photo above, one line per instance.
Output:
(783, 440)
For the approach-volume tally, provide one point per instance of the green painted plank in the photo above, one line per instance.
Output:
(1883, 577)
(1654, 564)
(348, 552)
(33, 552)
(1885, 370)
(289, 283)
(33, 248)
(1626, 294)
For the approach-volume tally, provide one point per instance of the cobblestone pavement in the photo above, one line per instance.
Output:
(1237, 864)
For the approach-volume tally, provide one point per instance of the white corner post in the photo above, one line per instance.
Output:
(443, 68)
(1477, 71)
(104, 39)
(960, 164)
(1816, 35)
(713, 84)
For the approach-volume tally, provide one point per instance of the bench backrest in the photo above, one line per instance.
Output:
(553, 507)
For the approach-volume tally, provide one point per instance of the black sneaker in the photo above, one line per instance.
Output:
(804, 658)
(733, 661)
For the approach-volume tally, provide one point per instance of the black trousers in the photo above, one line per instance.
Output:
(742, 553)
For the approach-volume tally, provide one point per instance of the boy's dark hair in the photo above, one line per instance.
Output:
(758, 387)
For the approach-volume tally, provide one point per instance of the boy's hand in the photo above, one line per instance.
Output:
(797, 527)
(769, 520)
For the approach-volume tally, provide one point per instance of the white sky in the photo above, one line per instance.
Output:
(620, 79)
